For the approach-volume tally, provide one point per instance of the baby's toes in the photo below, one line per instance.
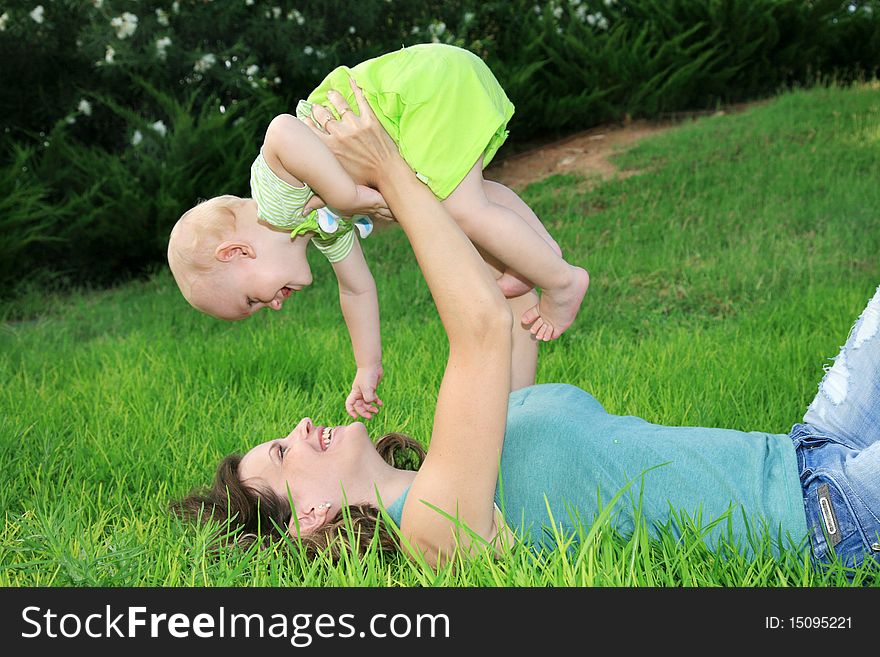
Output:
(531, 316)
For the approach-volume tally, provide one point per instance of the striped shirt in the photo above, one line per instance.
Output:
(280, 204)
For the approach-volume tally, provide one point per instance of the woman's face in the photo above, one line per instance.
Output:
(313, 464)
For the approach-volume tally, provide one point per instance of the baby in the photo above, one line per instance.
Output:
(448, 115)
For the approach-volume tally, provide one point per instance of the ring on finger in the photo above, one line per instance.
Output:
(324, 125)
(342, 113)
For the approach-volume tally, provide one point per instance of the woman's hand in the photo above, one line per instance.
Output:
(360, 143)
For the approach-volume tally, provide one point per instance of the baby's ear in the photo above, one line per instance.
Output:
(229, 250)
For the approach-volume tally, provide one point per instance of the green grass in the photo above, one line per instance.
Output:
(724, 276)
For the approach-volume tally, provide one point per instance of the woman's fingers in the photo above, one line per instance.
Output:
(359, 142)
(338, 101)
(364, 108)
(321, 117)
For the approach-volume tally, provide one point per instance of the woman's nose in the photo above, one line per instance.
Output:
(305, 425)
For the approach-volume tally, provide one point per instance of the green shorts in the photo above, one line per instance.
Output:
(441, 105)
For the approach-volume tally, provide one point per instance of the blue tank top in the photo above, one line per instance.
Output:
(564, 456)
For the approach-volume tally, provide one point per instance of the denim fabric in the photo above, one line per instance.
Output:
(838, 450)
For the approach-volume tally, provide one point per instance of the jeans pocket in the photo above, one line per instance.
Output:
(832, 523)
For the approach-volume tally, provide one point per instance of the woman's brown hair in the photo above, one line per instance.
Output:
(253, 514)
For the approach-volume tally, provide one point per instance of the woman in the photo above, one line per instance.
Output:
(559, 452)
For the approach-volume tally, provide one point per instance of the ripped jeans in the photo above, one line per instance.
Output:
(838, 450)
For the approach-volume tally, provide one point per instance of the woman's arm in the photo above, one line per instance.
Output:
(297, 156)
(460, 471)
(360, 308)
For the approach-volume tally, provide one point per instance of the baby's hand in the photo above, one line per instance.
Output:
(373, 204)
(363, 401)
(313, 204)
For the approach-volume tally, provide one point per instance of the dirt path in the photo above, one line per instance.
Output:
(586, 153)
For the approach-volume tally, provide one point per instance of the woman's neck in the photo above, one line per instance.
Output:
(392, 484)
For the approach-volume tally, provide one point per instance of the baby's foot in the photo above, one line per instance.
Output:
(558, 307)
(513, 285)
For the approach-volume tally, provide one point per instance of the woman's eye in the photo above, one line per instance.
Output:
(281, 451)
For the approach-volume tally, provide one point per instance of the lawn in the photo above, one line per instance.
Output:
(726, 272)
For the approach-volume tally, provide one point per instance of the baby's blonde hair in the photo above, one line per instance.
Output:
(194, 239)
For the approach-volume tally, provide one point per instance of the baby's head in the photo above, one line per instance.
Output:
(229, 264)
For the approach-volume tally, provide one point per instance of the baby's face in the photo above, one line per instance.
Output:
(247, 285)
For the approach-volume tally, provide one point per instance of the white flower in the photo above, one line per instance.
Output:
(351, 29)
(320, 54)
(537, 9)
(204, 63)
(85, 107)
(277, 80)
(296, 16)
(124, 25)
(109, 54)
(3, 20)
(248, 2)
(70, 119)
(436, 29)
(252, 70)
(598, 20)
(308, 50)
(161, 46)
(159, 127)
(136, 138)
(276, 12)
(557, 11)
(37, 14)
(581, 12)
(98, 3)
(175, 7)
(610, 3)
(469, 17)
(162, 17)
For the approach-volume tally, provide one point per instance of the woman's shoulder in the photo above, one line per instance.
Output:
(552, 395)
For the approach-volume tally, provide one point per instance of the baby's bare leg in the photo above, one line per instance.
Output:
(512, 284)
(501, 231)
(503, 195)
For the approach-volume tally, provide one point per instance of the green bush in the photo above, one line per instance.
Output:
(118, 114)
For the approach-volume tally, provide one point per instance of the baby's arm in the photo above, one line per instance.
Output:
(297, 156)
(360, 308)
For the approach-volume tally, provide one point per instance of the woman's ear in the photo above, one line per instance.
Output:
(303, 523)
(231, 249)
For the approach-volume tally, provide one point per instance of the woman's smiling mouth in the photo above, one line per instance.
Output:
(326, 437)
